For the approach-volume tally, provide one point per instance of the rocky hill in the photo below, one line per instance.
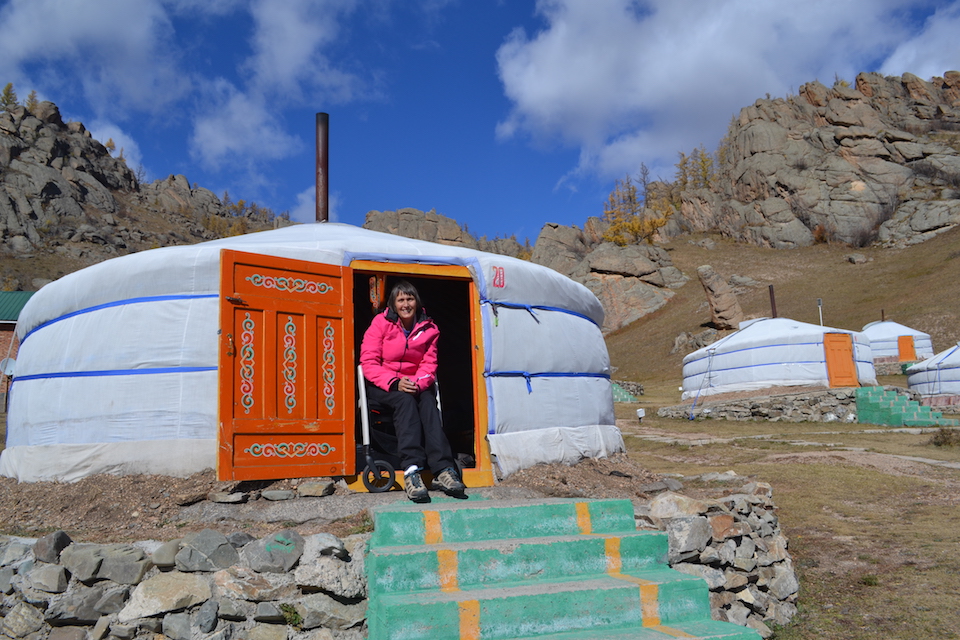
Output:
(66, 203)
(878, 161)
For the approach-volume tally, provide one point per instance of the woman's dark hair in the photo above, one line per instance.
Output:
(402, 286)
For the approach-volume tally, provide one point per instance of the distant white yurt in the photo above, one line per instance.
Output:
(779, 352)
(241, 354)
(937, 379)
(893, 342)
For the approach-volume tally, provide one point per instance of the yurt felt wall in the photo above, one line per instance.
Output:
(118, 368)
(770, 352)
(939, 375)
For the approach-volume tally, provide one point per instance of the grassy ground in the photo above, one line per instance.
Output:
(873, 532)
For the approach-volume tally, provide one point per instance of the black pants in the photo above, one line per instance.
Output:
(416, 418)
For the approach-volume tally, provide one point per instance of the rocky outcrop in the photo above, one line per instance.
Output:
(725, 311)
(629, 281)
(878, 161)
(62, 193)
(413, 223)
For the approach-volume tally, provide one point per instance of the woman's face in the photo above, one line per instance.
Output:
(406, 306)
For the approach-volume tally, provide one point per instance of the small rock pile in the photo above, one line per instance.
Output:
(735, 544)
(204, 586)
(829, 405)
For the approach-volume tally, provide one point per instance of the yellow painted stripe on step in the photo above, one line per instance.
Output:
(433, 532)
(612, 548)
(670, 631)
(649, 599)
(447, 568)
(583, 518)
(470, 620)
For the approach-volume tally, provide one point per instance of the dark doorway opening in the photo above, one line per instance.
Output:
(447, 301)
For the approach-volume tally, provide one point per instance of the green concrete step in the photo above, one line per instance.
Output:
(649, 598)
(488, 563)
(704, 629)
(472, 520)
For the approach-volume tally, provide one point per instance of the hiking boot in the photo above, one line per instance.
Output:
(416, 490)
(449, 482)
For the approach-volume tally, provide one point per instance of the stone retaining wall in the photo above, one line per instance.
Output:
(829, 405)
(207, 586)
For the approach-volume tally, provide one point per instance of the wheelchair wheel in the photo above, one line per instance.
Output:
(380, 477)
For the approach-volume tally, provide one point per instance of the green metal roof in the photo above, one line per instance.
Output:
(11, 302)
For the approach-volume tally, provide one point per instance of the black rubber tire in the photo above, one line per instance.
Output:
(380, 478)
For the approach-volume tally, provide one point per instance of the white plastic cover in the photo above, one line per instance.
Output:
(119, 360)
(939, 375)
(769, 352)
(884, 339)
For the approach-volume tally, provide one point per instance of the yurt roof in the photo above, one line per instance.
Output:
(195, 269)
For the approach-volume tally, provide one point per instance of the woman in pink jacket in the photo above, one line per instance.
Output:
(399, 358)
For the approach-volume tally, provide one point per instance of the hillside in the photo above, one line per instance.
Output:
(914, 286)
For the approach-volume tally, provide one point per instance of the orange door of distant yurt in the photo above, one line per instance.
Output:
(841, 367)
(286, 369)
(905, 346)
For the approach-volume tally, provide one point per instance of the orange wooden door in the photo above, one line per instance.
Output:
(286, 369)
(905, 346)
(841, 367)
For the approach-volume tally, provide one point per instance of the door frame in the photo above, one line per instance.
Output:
(482, 475)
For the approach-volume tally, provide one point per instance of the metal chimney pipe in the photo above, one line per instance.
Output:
(323, 167)
(773, 303)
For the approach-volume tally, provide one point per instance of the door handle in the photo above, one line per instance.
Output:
(231, 348)
(234, 300)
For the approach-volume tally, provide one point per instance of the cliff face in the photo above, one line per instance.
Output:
(65, 202)
(878, 161)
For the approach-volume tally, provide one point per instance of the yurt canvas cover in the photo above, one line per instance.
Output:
(778, 352)
(936, 376)
(892, 342)
(118, 370)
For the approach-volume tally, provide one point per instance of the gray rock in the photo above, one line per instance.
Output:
(112, 600)
(688, 534)
(785, 584)
(344, 578)
(124, 564)
(164, 593)
(48, 548)
(268, 612)
(176, 626)
(266, 632)
(208, 550)
(714, 578)
(6, 580)
(68, 633)
(123, 631)
(207, 616)
(316, 488)
(319, 609)
(101, 628)
(51, 578)
(278, 494)
(165, 556)
(239, 539)
(276, 553)
(15, 554)
(78, 606)
(224, 497)
(255, 587)
(21, 621)
(725, 309)
(230, 609)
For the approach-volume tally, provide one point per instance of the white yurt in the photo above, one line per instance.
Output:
(778, 352)
(937, 379)
(894, 342)
(241, 354)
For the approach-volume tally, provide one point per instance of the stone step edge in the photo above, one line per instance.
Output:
(694, 629)
(490, 544)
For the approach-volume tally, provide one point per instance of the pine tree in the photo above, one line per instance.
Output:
(111, 145)
(629, 220)
(32, 102)
(8, 99)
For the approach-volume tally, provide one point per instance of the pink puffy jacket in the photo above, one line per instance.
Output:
(388, 355)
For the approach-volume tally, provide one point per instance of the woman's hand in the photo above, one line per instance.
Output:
(407, 385)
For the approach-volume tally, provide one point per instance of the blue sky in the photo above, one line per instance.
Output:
(501, 114)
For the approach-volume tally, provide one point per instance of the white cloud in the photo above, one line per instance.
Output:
(306, 208)
(116, 52)
(288, 42)
(931, 52)
(630, 82)
(238, 129)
